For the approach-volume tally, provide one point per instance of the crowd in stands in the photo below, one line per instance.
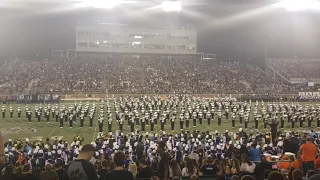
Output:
(135, 74)
(168, 156)
(296, 68)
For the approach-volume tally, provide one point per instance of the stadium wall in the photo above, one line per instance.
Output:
(124, 39)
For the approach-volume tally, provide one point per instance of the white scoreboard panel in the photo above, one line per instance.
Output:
(122, 39)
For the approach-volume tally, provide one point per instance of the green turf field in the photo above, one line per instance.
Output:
(14, 128)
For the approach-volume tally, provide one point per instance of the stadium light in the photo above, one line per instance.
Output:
(104, 4)
(299, 5)
(171, 6)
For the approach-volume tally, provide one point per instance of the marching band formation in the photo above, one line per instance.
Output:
(148, 112)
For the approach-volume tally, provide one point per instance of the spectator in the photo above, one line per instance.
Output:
(297, 174)
(221, 177)
(297, 163)
(59, 170)
(103, 171)
(311, 173)
(8, 173)
(26, 173)
(49, 174)
(284, 166)
(317, 162)
(308, 155)
(247, 177)
(209, 169)
(223, 168)
(145, 171)
(247, 165)
(235, 177)
(133, 169)
(254, 152)
(194, 178)
(154, 178)
(190, 169)
(235, 166)
(163, 171)
(81, 168)
(174, 169)
(119, 173)
(261, 168)
(275, 176)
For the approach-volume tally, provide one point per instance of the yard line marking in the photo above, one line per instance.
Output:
(52, 131)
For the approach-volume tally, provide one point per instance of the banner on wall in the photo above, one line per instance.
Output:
(316, 94)
(309, 94)
(302, 94)
(310, 84)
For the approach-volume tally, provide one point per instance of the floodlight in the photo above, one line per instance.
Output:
(299, 5)
(171, 6)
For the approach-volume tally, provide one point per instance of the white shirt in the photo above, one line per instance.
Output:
(245, 167)
(185, 173)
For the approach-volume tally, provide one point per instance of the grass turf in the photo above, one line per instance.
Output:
(21, 129)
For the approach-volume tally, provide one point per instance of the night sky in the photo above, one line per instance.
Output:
(224, 28)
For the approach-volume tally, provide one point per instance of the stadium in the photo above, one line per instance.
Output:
(184, 89)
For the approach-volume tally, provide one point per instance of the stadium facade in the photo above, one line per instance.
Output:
(110, 38)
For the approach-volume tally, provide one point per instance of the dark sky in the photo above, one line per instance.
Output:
(224, 28)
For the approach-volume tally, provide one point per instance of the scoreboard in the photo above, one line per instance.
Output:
(124, 39)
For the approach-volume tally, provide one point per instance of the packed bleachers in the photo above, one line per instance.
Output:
(131, 74)
(296, 68)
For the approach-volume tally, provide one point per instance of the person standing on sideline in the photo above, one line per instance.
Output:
(308, 155)
(119, 173)
(82, 168)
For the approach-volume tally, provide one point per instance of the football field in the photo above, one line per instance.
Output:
(21, 129)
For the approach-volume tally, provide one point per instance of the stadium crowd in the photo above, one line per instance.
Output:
(136, 74)
(163, 156)
(166, 155)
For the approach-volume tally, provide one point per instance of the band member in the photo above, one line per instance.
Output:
(38, 115)
(81, 119)
(227, 112)
(172, 122)
(318, 121)
(233, 119)
(209, 118)
(162, 122)
(200, 117)
(219, 118)
(48, 115)
(187, 120)
(19, 112)
(181, 121)
(256, 122)
(310, 119)
(29, 115)
(66, 114)
(301, 119)
(57, 115)
(293, 121)
(265, 121)
(152, 124)
(121, 124)
(246, 121)
(71, 117)
(3, 112)
(241, 116)
(194, 115)
(282, 122)
(53, 112)
(11, 112)
(110, 125)
(132, 124)
(100, 121)
(91, 119)
(143, 124)
(61, 119)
